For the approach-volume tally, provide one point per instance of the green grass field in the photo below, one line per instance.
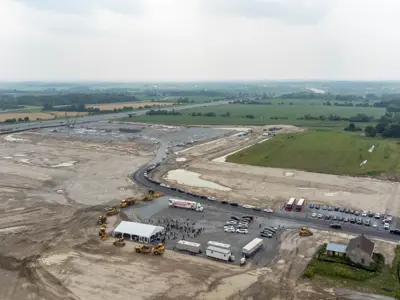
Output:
(323, 151)
(263, 113)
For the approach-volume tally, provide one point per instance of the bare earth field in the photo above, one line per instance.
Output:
(40, 115)
(132, 104)
(263, 187)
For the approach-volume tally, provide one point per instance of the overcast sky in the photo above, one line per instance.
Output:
(141, 40)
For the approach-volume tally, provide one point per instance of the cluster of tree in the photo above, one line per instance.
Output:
(279, 118)
(207, 114)
(306, 95)
(352, 127)
(330, 117)
(15, 120)
(348, 98)
(348, 104)
(249, 102)
(153, 112)
(183, 100)
(69, 99)
(4, 106)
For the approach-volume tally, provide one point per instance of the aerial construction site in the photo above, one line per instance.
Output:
(61, 185)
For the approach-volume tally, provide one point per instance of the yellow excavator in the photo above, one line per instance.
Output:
(305, 231)
(102, 233)
(157, 250)
(151, 194)
(127, 201)
(102, 220)
(119, 242)
(110, 211)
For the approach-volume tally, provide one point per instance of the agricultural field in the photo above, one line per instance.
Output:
(275, 113)
(323, 151)
(109, 106)
(41, 115)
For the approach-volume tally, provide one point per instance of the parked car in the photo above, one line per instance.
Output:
(224, 202)
(317, 206)
(345, 219)
(247, 206)
(340, 218)
(311, 205)
(314, 215)
(251, 218)
(377, 216)
(341, 209)
(235, 218)
(336, 208)
(211, 198)
(330, 208)
(334, 218)
(359, 221)
(370, 214)
(352, 220)
(324, 207)
(357, 213)
(327, 217)
(375, 225)
(347, 211)
(266, 234)
(268, 210)
(229, 229)
(386, 226)
(364, 213)
(256, 209)
(352, 211)
(231, 222)
(234, 204)
(367, 222)
(240, 230)
(335, 225)
(320, 216)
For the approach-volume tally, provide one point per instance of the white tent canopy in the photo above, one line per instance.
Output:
(138, 231)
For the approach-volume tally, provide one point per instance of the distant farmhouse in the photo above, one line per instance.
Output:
(359, 250)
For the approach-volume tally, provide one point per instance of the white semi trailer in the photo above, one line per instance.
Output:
(188, 246)
(185, 204)
(220, 253)
(252, 247)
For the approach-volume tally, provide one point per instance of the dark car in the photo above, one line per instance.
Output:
(224, 202)
(346, 211)
(342, 210)
(235, 218)
(311, 205)
(359, 220)
(345, 219)
(336, 208)
(357, 213)
(203, 197)
(234, 204)
(330, 208)
(173, 189)
(370, 214)
(352, 211)
(266, 234)
(327, 217)
(352, 220)
(340, 218)
(256, 209)
(317, 206)
(181, 191)
(248, 217)
(335, 225)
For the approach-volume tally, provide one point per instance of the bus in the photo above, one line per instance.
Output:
(300, 204)
(290, 203)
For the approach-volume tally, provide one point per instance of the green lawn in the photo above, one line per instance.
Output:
(263, 114)
(27, 109)
(385, 282)
(324, 151)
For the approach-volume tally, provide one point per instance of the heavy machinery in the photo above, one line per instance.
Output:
(102, 220)
(110, 211)
(119, 242)
(151, 194)
(305, 231)
(127, 201)
(102, 233)
(157, 250)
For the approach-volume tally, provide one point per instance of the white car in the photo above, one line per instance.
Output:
(320, 216)
(364, 213)
(229, 229)
(211, 198)
(386, 226)
(375, 225)
(163, 184)
(232, 222)
(244, 231)
(377, 216)
(268, 210)
(314, 215)
(247, 206)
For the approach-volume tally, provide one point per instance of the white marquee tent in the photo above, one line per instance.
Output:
(145, 233)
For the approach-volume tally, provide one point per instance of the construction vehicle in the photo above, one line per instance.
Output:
(151, 195)
(157, 250)
(127, 201)
(119, 242)
(102, 233)
(110, 211)
(305, 231)
(102, 220)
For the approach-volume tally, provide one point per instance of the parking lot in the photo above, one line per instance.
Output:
(209, 226)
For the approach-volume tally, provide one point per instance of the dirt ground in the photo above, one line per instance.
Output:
(265, 187)
(132, 104)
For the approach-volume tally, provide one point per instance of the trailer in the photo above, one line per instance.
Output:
(219, 253)
(219, 245)
(290, 203)
(300, 204)
(188, 246)
(193, 205)
(252, 247)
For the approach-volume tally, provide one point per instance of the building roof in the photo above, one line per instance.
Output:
(363, 243)
(336, 247)
(219, 250)
(139, 229)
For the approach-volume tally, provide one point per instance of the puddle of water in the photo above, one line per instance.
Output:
(66, 164)
(193, 179)
(181, 159)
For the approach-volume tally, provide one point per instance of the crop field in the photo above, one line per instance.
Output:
(109, 106)
(324, 151)
(266, 114)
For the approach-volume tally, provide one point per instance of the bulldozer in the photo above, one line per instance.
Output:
(102, 220)
(102, 233)
(157, 250)
(151, 194)
(127, 201)
(119, 242)
(305, 231)
(110, 211)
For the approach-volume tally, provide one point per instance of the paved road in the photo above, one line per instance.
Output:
(92, 118)
(302, 218)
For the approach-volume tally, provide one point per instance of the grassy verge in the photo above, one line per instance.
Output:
(324, 151)
(385, 281)
(276, 113)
